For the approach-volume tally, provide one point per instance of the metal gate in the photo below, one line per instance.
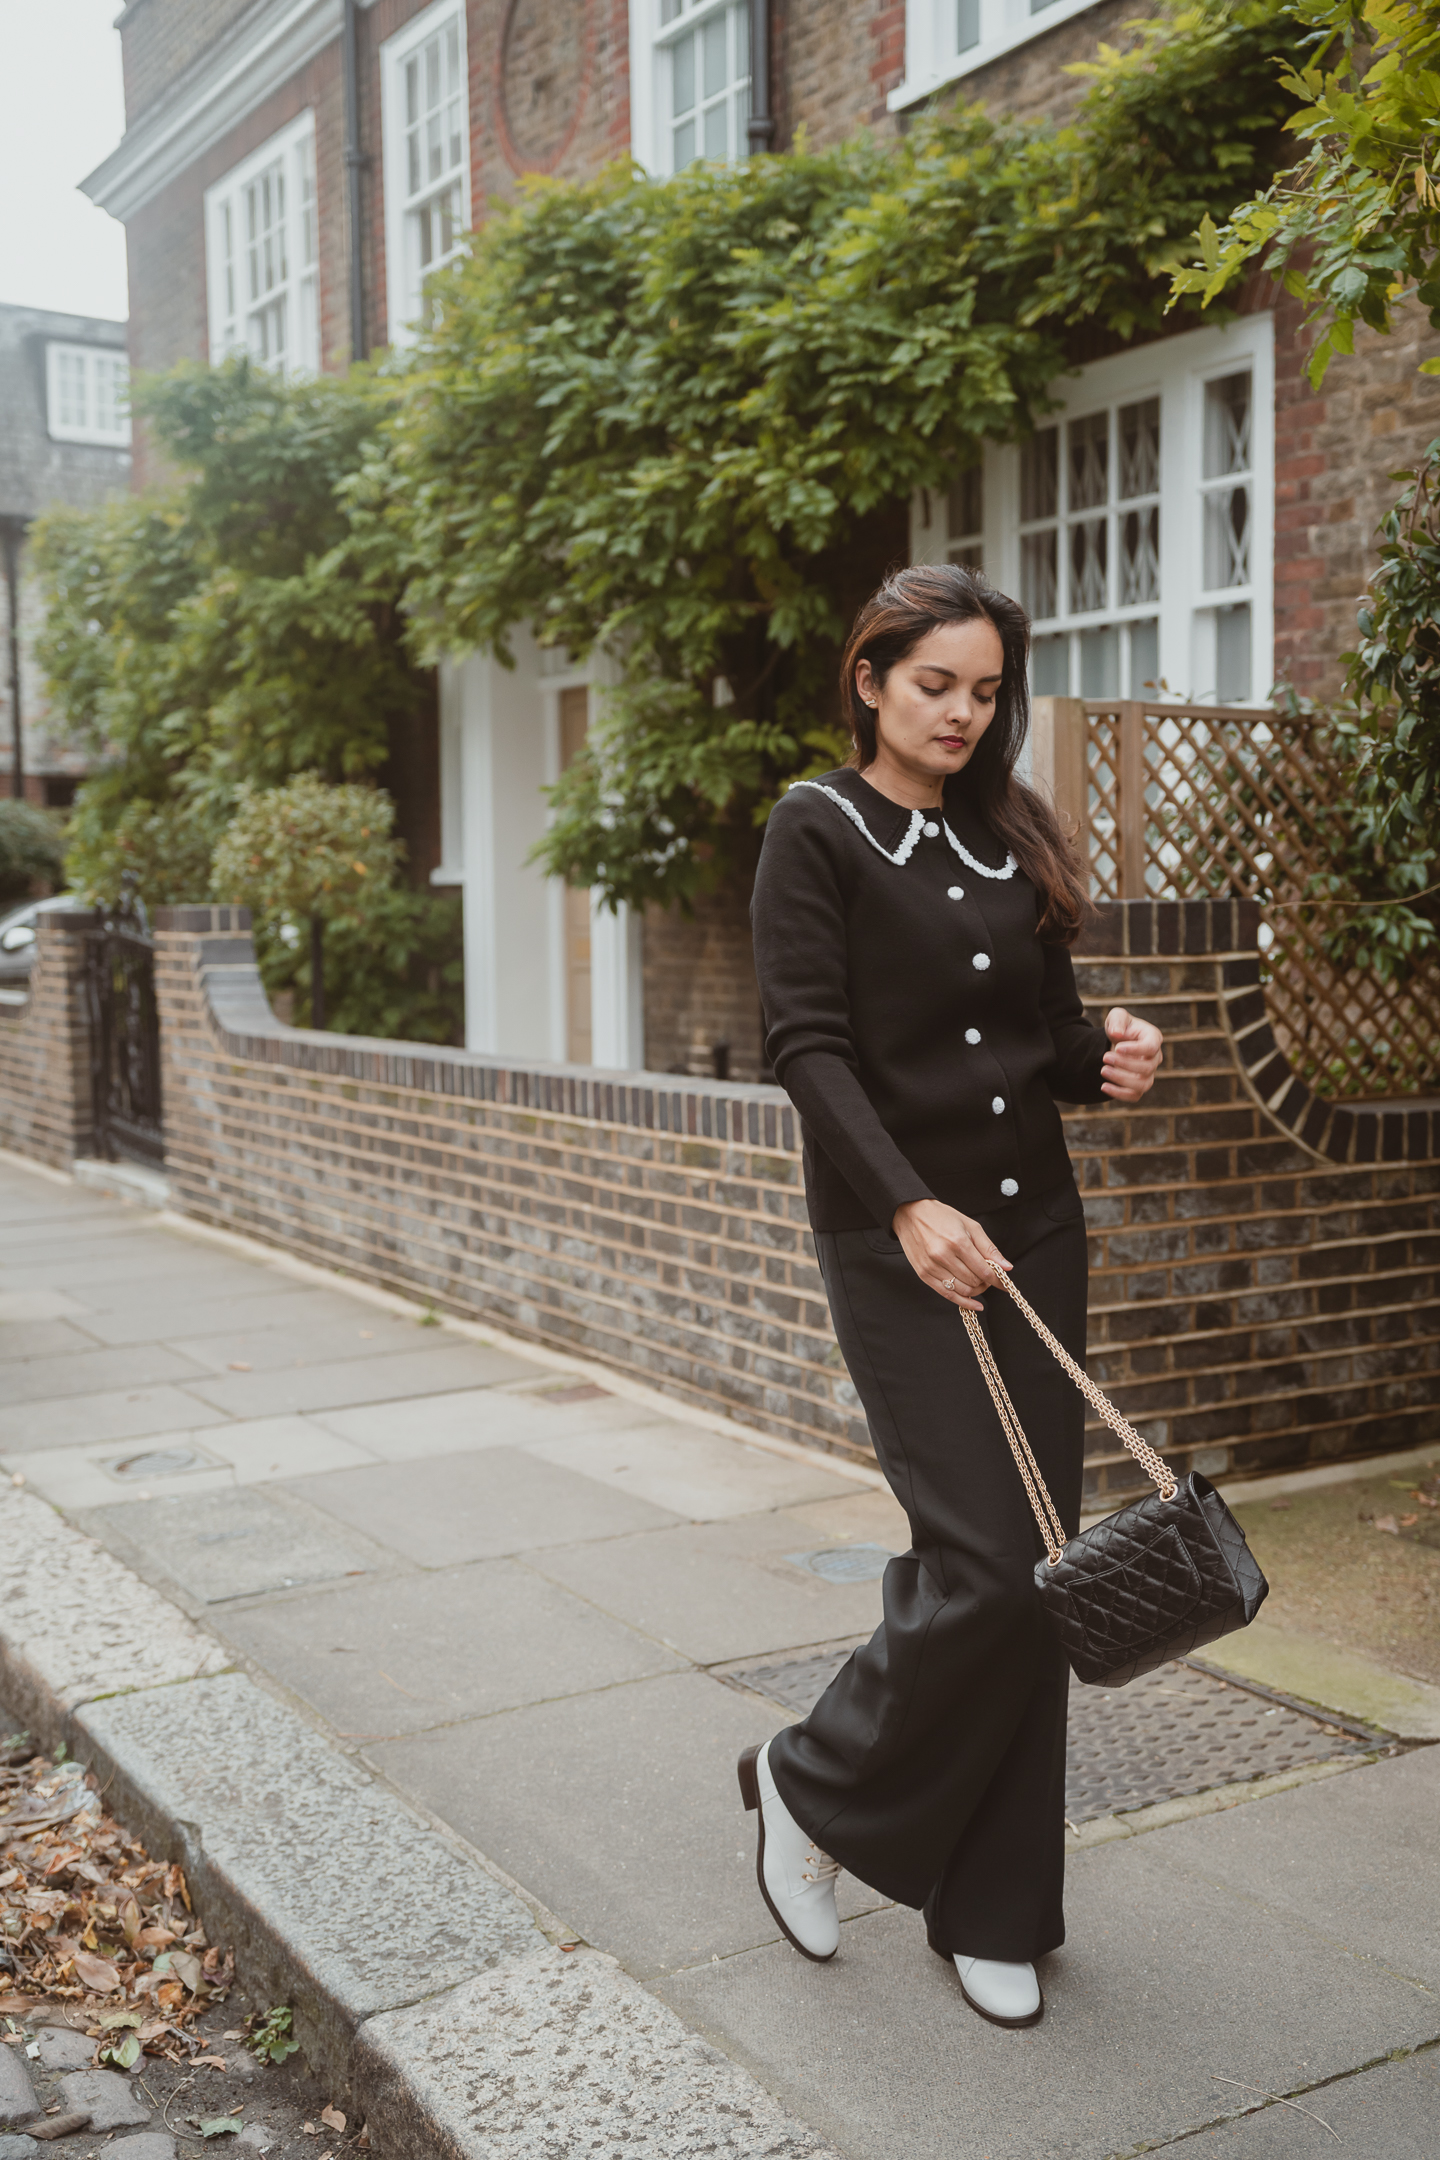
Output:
(124, 1030)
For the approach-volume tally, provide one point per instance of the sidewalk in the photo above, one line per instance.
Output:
(547, 1615)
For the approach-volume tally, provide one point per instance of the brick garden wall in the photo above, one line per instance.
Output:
(1264, 1266)
(45, 1052)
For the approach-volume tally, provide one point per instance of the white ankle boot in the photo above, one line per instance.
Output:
(1006, 1994)
(797, 1880)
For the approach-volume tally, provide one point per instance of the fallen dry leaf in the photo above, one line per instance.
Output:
(239, 1365)
(97, 1973)
(1387, 1522)
(210, 2062)
(1408, 1522)
(57, 2126)
(332, 2117)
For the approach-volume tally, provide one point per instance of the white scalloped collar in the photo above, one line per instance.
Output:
(918, 821)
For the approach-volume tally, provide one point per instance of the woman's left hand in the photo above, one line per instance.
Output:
(1133, 1059)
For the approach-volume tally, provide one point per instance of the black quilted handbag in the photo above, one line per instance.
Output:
(1154, 1581)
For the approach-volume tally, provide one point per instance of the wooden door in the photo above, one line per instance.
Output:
(574, 720)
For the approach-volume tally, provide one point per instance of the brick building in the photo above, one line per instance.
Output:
(1193, 516)
(64, 438)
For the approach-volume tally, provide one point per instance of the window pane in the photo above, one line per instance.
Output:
(716, 143)
(967, 24)
(1140, 449)
(1089, 553)
(1037, 575)
(970, 557)
(412, 91)
(434, 148)
(967, 504)
(1144, 657)
(740, 16)
(1227, 426)
(412, 158)
(452, 59)
(1050, 666)
(1089, 461)
(452, 123)
(682, 81)
(1232, 655)
(425, 223)
(684, 145)
(716, 73)
(1140, 556)
(1038, 461)
(432, 74)
(1227, 538)
(669, 9)
(1100, 662)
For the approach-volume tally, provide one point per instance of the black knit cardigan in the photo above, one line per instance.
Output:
(918, 1023)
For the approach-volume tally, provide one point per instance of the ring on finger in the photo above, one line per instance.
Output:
(950, 1283)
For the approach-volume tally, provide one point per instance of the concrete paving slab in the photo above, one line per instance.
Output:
(1163, 1981)
(40, 1339)
(238, 1542)
(562, 2055)
(1340, 1680)
(16, 2146)
(337, 1899)
(303, 1340)
(76, 1478)
(476, 1506)
(694, 1474)
(443, 1424)
(620, 1811)
(403, 1654)
(92, 1371)
(146, 2145)
(259, 1304)
(1389, 2113)
(120, 1414)
(75, 1623)
(1383, 1903)
(38, 1305)
(259, 1449)
(62, 2049)
(440, 1367)
(716, 1591)
(861, 1518)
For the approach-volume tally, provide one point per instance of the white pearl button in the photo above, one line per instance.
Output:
(931, 832)
(981, 961)
(997, 1104)
(972, 1035)
(956, 892)
(1009, 1187)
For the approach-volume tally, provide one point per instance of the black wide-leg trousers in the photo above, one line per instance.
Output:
(933, 1766)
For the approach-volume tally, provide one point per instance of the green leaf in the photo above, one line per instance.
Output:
(122, 2053)
(217, 2125)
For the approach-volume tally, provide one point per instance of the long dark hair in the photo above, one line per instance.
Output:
(909, 605)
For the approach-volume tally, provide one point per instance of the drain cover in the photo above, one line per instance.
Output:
(157, 1462)
(1172, 1732)
(844, 1563)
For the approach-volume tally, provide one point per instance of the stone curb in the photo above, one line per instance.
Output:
(422, 1985)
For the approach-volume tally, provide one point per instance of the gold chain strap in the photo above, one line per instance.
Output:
(1155, 1467)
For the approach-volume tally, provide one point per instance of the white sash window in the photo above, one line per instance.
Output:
(262, 255)
(1136, 525)
(426, 131)
(690, 82)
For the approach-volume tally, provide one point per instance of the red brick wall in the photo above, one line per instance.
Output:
(700, 986)
(1335, 450)
(1263, 1288)
(45, 1052)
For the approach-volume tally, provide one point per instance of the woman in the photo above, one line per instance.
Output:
(912, 916)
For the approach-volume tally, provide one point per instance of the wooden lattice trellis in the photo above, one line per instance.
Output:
(1199, 801)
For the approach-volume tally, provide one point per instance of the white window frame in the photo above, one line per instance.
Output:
(97, 366)
(1176, 371)
(651, 44)
(931, 27)
(404, 284)
(231, 311)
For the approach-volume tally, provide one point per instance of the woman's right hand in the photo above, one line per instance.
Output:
(948, 1251)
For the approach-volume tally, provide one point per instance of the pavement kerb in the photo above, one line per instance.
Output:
(419, 1973)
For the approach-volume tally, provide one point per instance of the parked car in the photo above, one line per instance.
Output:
(17, 940)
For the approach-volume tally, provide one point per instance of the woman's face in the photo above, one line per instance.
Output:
(937, 702)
